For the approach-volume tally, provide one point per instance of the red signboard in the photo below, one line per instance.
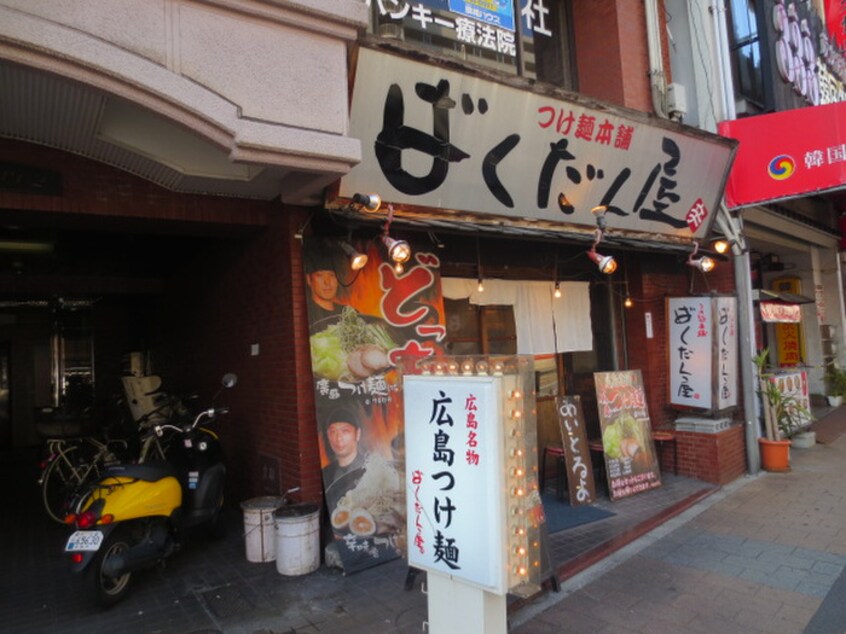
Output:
(787, 154)
(835, 19)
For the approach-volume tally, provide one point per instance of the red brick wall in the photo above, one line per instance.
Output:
(253, 294)
(612, 56)
(718, 458)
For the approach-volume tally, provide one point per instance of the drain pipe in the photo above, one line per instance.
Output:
(733, 230)
(657, 80)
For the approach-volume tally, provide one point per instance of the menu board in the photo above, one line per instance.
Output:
(580, 483)
(794, 384)
(631, 462)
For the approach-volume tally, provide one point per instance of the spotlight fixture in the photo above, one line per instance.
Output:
(367, 202)
(720, 246)
(357, 260)
(398, 250)
(606, 263)
(704, 264)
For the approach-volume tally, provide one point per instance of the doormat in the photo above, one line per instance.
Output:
(561, 516)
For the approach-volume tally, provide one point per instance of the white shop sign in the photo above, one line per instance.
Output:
(454, 478)
(702, 345)
(436, 138)
(690, 335)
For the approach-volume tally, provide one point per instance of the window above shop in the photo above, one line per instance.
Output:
(527, 38)
(745, 51)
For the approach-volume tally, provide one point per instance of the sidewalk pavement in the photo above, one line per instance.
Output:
(764, 554)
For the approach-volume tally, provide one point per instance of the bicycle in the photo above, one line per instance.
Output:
(73, 463)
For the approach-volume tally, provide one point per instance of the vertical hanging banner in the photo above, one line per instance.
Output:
(690, 325)
(360, 323)
(630, 459)
(725, 329)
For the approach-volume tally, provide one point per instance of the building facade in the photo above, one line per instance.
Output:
(178, 157)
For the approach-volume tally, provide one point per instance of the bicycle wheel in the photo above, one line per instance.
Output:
(60, 482)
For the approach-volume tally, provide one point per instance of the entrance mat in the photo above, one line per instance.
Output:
(831, 426)
(561, 516)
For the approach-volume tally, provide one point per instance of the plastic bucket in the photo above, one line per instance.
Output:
(297, 539)
(258, 527)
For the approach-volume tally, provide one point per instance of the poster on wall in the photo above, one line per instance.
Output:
(631, 463)
(690, 325)
(360, 323)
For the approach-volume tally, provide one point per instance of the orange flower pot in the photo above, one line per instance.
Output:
(775, 455)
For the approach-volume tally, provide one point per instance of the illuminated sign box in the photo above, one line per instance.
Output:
(473, 506)
(702, 336)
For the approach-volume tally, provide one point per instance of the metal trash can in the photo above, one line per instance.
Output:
(297, 539)
(258, 527)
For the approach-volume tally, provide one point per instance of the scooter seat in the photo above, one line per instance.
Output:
(151, 472)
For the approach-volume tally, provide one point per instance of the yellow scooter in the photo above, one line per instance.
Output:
(137, 515)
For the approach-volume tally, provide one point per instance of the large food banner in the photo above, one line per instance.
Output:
(630, 459)
(360, 323)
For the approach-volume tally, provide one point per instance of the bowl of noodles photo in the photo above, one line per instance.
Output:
(375, 506)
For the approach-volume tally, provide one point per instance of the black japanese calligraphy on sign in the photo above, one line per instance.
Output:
(691, 345)
(435, 137)
(571, 422)
(445, 549)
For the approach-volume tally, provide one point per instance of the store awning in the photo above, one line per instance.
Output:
(777, 307)
(787, 154)
(779, 297)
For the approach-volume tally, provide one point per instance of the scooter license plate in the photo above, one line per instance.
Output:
(84, 541)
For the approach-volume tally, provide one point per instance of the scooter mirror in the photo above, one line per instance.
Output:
(230, 379)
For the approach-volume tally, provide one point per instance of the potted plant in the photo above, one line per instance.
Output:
(836, 378)
(784, 417)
